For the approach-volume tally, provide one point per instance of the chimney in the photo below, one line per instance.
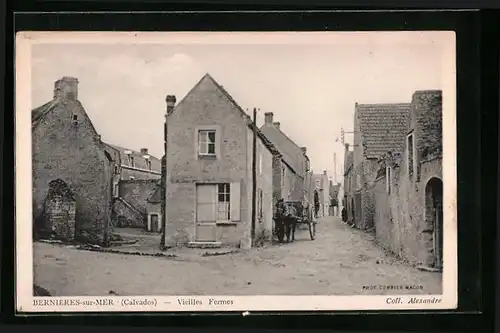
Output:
(144, 151)
(269, 118)
(277, 124)
(304, 150)
(346, 147)
(170, 103)
(66, 88)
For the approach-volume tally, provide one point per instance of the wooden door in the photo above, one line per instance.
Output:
(154, 223)
(206, 212)
(438, 233)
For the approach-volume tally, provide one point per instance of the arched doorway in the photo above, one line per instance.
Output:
(434, 220)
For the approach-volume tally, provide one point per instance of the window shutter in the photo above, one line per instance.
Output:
(235, 201)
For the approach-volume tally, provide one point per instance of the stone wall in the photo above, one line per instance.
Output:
(131, 209)
(71, 150)
(401, 216)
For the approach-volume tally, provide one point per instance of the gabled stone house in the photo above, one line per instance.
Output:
(378, 128)
(66, 147)
(209, 171)
(409, 187)
(292, 170)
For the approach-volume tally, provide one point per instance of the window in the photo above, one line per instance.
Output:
(75, 120)
(148, 164)
(130, 160)
(259, 206)
(206, 142)
(223, 202)
(410, 144)
(388, 181)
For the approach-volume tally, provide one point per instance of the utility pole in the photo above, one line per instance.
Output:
(170, 100)
(335, 167)
(254, 174)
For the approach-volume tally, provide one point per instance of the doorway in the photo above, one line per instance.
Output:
(434, 219)
(155, 225)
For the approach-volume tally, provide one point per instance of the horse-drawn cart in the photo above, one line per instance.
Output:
(297, 215)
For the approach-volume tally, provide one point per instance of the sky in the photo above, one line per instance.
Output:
(310, 87)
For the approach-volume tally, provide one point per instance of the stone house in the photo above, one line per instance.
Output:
(348, 195)
(66, 146)
(378, 128)
(409, 187)
(137, 164)
(322, 187)
(292, 169)
(138, 175)
(209, 171)
(334, 199)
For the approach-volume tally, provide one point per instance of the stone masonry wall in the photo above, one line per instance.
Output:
(264, 225)
(136, 192)
(73, 153)
(400, 217)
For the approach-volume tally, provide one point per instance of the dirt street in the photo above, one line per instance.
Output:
(341, 261)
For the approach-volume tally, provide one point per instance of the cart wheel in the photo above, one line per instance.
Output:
(312, 229)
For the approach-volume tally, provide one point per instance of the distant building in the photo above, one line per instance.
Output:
(378, 128)
(322, 187)
(138, 164)
(334, 199)
(66, 147)
(409, 187)
(209, 171)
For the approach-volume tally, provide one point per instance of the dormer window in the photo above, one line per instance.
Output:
(130, 158)
(75, 120)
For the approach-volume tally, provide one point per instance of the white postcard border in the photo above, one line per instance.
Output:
(25, 302)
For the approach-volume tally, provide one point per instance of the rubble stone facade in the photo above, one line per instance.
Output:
(408, 190)
(66, 146)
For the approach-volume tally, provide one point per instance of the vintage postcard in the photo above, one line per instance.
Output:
(252, 171)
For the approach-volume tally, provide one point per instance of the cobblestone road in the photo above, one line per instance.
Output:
(341, 261)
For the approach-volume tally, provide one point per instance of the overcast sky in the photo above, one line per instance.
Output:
(311, 89)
